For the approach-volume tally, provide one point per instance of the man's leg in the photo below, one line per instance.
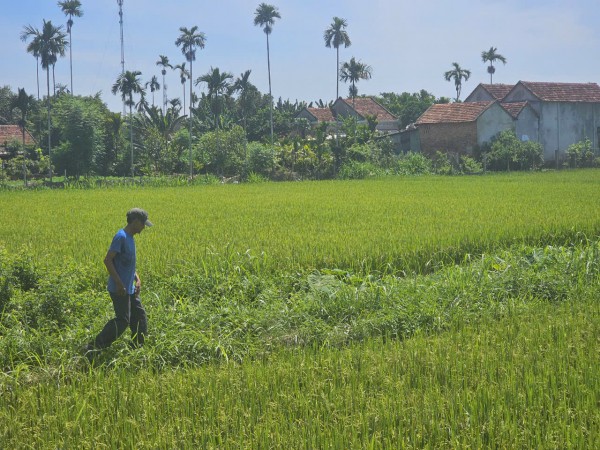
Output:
(115, 327)
(138, 323)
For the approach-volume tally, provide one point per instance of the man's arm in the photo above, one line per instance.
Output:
(110, 266)
(138, 283)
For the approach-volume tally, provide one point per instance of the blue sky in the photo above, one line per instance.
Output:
(409, 44)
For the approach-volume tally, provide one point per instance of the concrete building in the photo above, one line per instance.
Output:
(458, 127)
(554, 114)
(566, 113)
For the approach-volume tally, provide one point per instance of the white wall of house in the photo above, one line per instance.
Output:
(527, 125)
(565, 123)
(491, 122)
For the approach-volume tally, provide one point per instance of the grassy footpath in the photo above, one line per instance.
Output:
(528, 380)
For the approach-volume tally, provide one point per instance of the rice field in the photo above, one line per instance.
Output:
(419, 312)
(385, 224)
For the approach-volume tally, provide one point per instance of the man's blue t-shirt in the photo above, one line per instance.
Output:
(124, 247)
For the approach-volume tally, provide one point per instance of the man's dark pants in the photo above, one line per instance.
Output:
(129, 312)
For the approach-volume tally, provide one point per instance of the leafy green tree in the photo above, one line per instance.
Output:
(458, 74)
(71, 8)
(225, 151)
(353, 71)
(265, 16)
(107, 160)
(80, 121)
(581, 154)
(491, 56)
(507, 151)
(335, 36)
(128, 83)
(261, 159)
(157, 130)
(50, 43)
(6, 100)
(190, 40)
(408, 107)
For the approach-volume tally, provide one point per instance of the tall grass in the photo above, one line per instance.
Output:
(529, 380)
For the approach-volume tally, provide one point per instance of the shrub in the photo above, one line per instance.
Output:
(414, 164)
(581, 154)
(355, 170)
(469, 165)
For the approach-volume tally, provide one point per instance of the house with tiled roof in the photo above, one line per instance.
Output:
(12, 134)
(487, 92)
(459, 127)
(554, 114)
(566, 113)
(361, 108)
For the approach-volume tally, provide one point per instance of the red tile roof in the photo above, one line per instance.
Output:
(322, 114)
(453, 112)
(9, 133)
(564, 92)
(514, 108)
(367, 106)
(498, 91)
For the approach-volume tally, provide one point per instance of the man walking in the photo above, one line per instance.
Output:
(124, 285)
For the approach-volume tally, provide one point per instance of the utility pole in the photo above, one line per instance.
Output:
(120, 2)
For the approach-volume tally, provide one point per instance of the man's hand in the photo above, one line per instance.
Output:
(121, 289)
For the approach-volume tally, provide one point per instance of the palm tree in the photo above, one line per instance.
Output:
(492, 57)
(458, 74)
(71, 8)
(34, 48)
(243, 86)
(153, 85)
(265, 16)
(165, 126)
(183, 77)
(128, 83)
(163, 61)
(354, 71)
(336, 35)
(50, 43)
(218, 84)
(189, 41)
(23, 103)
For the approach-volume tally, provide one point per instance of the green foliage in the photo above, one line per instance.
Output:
(414, 164)
(508, 152)
(406, 106)
(470, 166)
(581, 154)
(441, 164)
(358, 170)
(225, 150)
(261, 159)
(80, 121)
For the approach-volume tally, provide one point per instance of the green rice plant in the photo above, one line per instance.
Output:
(529, 380)
(387, 225)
